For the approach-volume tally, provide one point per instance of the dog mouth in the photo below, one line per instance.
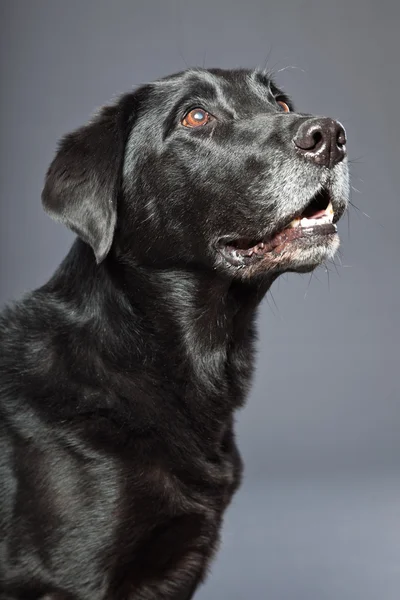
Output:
(314, 223)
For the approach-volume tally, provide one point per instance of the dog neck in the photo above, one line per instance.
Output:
(191, 325)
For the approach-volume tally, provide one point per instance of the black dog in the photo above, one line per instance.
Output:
(120, 377)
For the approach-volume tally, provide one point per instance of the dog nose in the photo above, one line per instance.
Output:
(322, 141)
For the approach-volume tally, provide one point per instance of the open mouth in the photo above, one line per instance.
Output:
(315, 221)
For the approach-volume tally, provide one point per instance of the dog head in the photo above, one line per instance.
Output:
(208, 168)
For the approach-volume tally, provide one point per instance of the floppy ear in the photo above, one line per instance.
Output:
(84, 179)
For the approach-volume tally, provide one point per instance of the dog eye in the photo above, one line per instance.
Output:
(283, 105)
(196, 118)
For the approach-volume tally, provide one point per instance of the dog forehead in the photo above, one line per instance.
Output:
(234, 90)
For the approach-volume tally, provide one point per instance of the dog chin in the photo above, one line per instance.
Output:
(304, 260)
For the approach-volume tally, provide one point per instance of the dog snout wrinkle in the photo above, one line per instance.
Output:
(322, 141)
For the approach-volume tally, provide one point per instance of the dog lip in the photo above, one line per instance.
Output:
(318, 211)
(241, 257)
(316, 218)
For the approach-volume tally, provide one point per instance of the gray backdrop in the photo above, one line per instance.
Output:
(318, 516)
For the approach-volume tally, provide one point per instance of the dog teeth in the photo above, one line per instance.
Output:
(312, 222)
(325, 218)
(294, 223)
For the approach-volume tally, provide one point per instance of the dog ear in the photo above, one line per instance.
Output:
(84, 180)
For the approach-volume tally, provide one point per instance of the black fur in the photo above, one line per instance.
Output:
(120, 377)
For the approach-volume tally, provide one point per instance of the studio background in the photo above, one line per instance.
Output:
(318, 514)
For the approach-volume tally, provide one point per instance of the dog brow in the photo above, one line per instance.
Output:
(217, 86)
(260, 83)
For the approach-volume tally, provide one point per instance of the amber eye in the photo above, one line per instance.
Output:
(196, 118)
(283, 105)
